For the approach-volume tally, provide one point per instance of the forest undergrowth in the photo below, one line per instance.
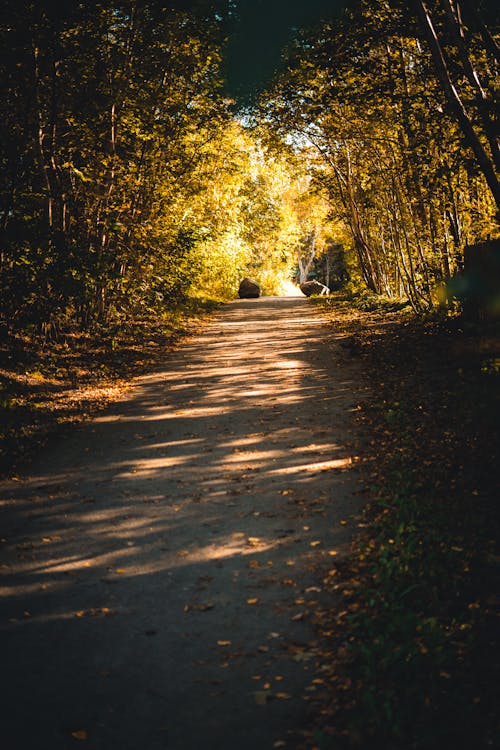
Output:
(50, 382)
(411, 660)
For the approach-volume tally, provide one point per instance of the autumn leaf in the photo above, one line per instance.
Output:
(80, 734)
(252, 601)
(94, 611)
(223, 643)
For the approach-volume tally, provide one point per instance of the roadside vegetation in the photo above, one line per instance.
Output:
(410, 660)
(48, 385)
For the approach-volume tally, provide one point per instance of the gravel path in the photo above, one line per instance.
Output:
(159, 563)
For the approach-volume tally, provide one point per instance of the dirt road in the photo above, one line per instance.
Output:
(159, 563)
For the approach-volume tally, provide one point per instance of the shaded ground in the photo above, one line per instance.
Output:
(415, 662)
(47, 384)
(160, 564)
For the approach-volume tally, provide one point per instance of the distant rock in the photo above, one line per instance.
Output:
(249, 289)
(313, 287)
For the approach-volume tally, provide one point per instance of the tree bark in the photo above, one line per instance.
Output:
(455, 103)
(484, 106)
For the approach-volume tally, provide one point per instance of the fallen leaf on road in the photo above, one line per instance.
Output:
(94, 611)
(252, 601)
(223, 643)
(80, 734)
(283, 696)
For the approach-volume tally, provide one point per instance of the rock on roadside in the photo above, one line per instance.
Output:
(313, 287)
(249, 289)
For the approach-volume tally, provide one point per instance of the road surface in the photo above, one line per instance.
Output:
(159, 564)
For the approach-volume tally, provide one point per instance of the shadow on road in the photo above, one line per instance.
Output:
(160, 563)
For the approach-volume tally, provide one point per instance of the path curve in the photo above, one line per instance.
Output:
(158, 564)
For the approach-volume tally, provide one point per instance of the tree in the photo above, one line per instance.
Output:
(362, 92)
(454, 24)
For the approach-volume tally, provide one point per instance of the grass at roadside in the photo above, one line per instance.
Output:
(412, 658)
(45, 385)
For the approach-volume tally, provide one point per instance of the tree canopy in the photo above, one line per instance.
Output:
(150, 150)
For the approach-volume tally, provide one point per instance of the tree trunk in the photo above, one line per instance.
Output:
(484, 106)
(455, 103)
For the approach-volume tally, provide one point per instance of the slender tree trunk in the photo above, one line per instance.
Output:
(455, 103)
(40, 139)
(484, 106)
(306, 262)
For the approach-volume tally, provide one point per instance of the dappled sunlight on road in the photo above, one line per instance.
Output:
(235, 414)
(220, 481)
